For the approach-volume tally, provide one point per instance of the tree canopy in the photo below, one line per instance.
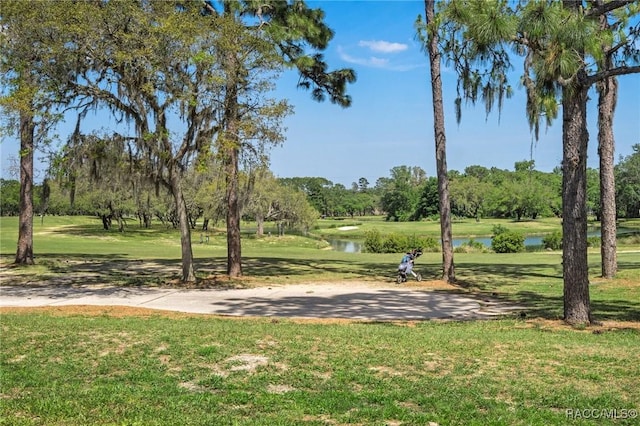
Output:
(562, 45)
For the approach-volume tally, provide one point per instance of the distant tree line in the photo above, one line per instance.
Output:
(106, 189)
(97, 188)
(477, 192)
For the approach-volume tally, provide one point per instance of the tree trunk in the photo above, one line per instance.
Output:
(24, 253)
(448, 270)
(608, 97)
(188, 271)
(260, 225)
(230, 149)
(106, 221)
(606, 105)
(234, 245)
(575, 137)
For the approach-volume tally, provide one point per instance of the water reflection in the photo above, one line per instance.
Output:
(346, 246)
(532, 241)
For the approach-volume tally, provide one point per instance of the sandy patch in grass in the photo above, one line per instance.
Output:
(266, 342)
(17, 359)
(246, 362)
(386, 371)
(280, 389)
(192, 387)
(347, 228)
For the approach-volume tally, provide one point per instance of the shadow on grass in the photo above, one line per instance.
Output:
(91, 269)
(551, 307)
(513, 284)
(131, 229)
(120, 269)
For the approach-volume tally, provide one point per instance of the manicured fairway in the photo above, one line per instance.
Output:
(102, 366)
(123, 366)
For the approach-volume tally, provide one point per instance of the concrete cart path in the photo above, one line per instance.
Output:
(346, 300)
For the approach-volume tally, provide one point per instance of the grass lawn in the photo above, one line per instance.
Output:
(356, 228)
(117, 366)
(102, 367)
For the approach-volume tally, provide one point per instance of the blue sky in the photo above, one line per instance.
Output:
(391, 122)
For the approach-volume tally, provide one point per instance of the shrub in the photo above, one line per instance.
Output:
(430, 244)
(631, 239)
(508, 242)
(474, 244)
(373, 241)
(394, 243)
(499, 229)
(427, 244)
(594, 241)
(471, 246)
(553, 241)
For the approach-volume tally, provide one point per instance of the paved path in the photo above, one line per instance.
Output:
(297, 301)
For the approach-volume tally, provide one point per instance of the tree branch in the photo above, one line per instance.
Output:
(612, 73)
(608, 7)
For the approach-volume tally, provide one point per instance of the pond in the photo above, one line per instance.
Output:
(348, 246)
(531, 241)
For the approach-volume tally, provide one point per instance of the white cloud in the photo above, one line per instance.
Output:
(372, 61)
(383, 46)
(378, 62)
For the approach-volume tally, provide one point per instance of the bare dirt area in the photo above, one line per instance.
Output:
(85, 310)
